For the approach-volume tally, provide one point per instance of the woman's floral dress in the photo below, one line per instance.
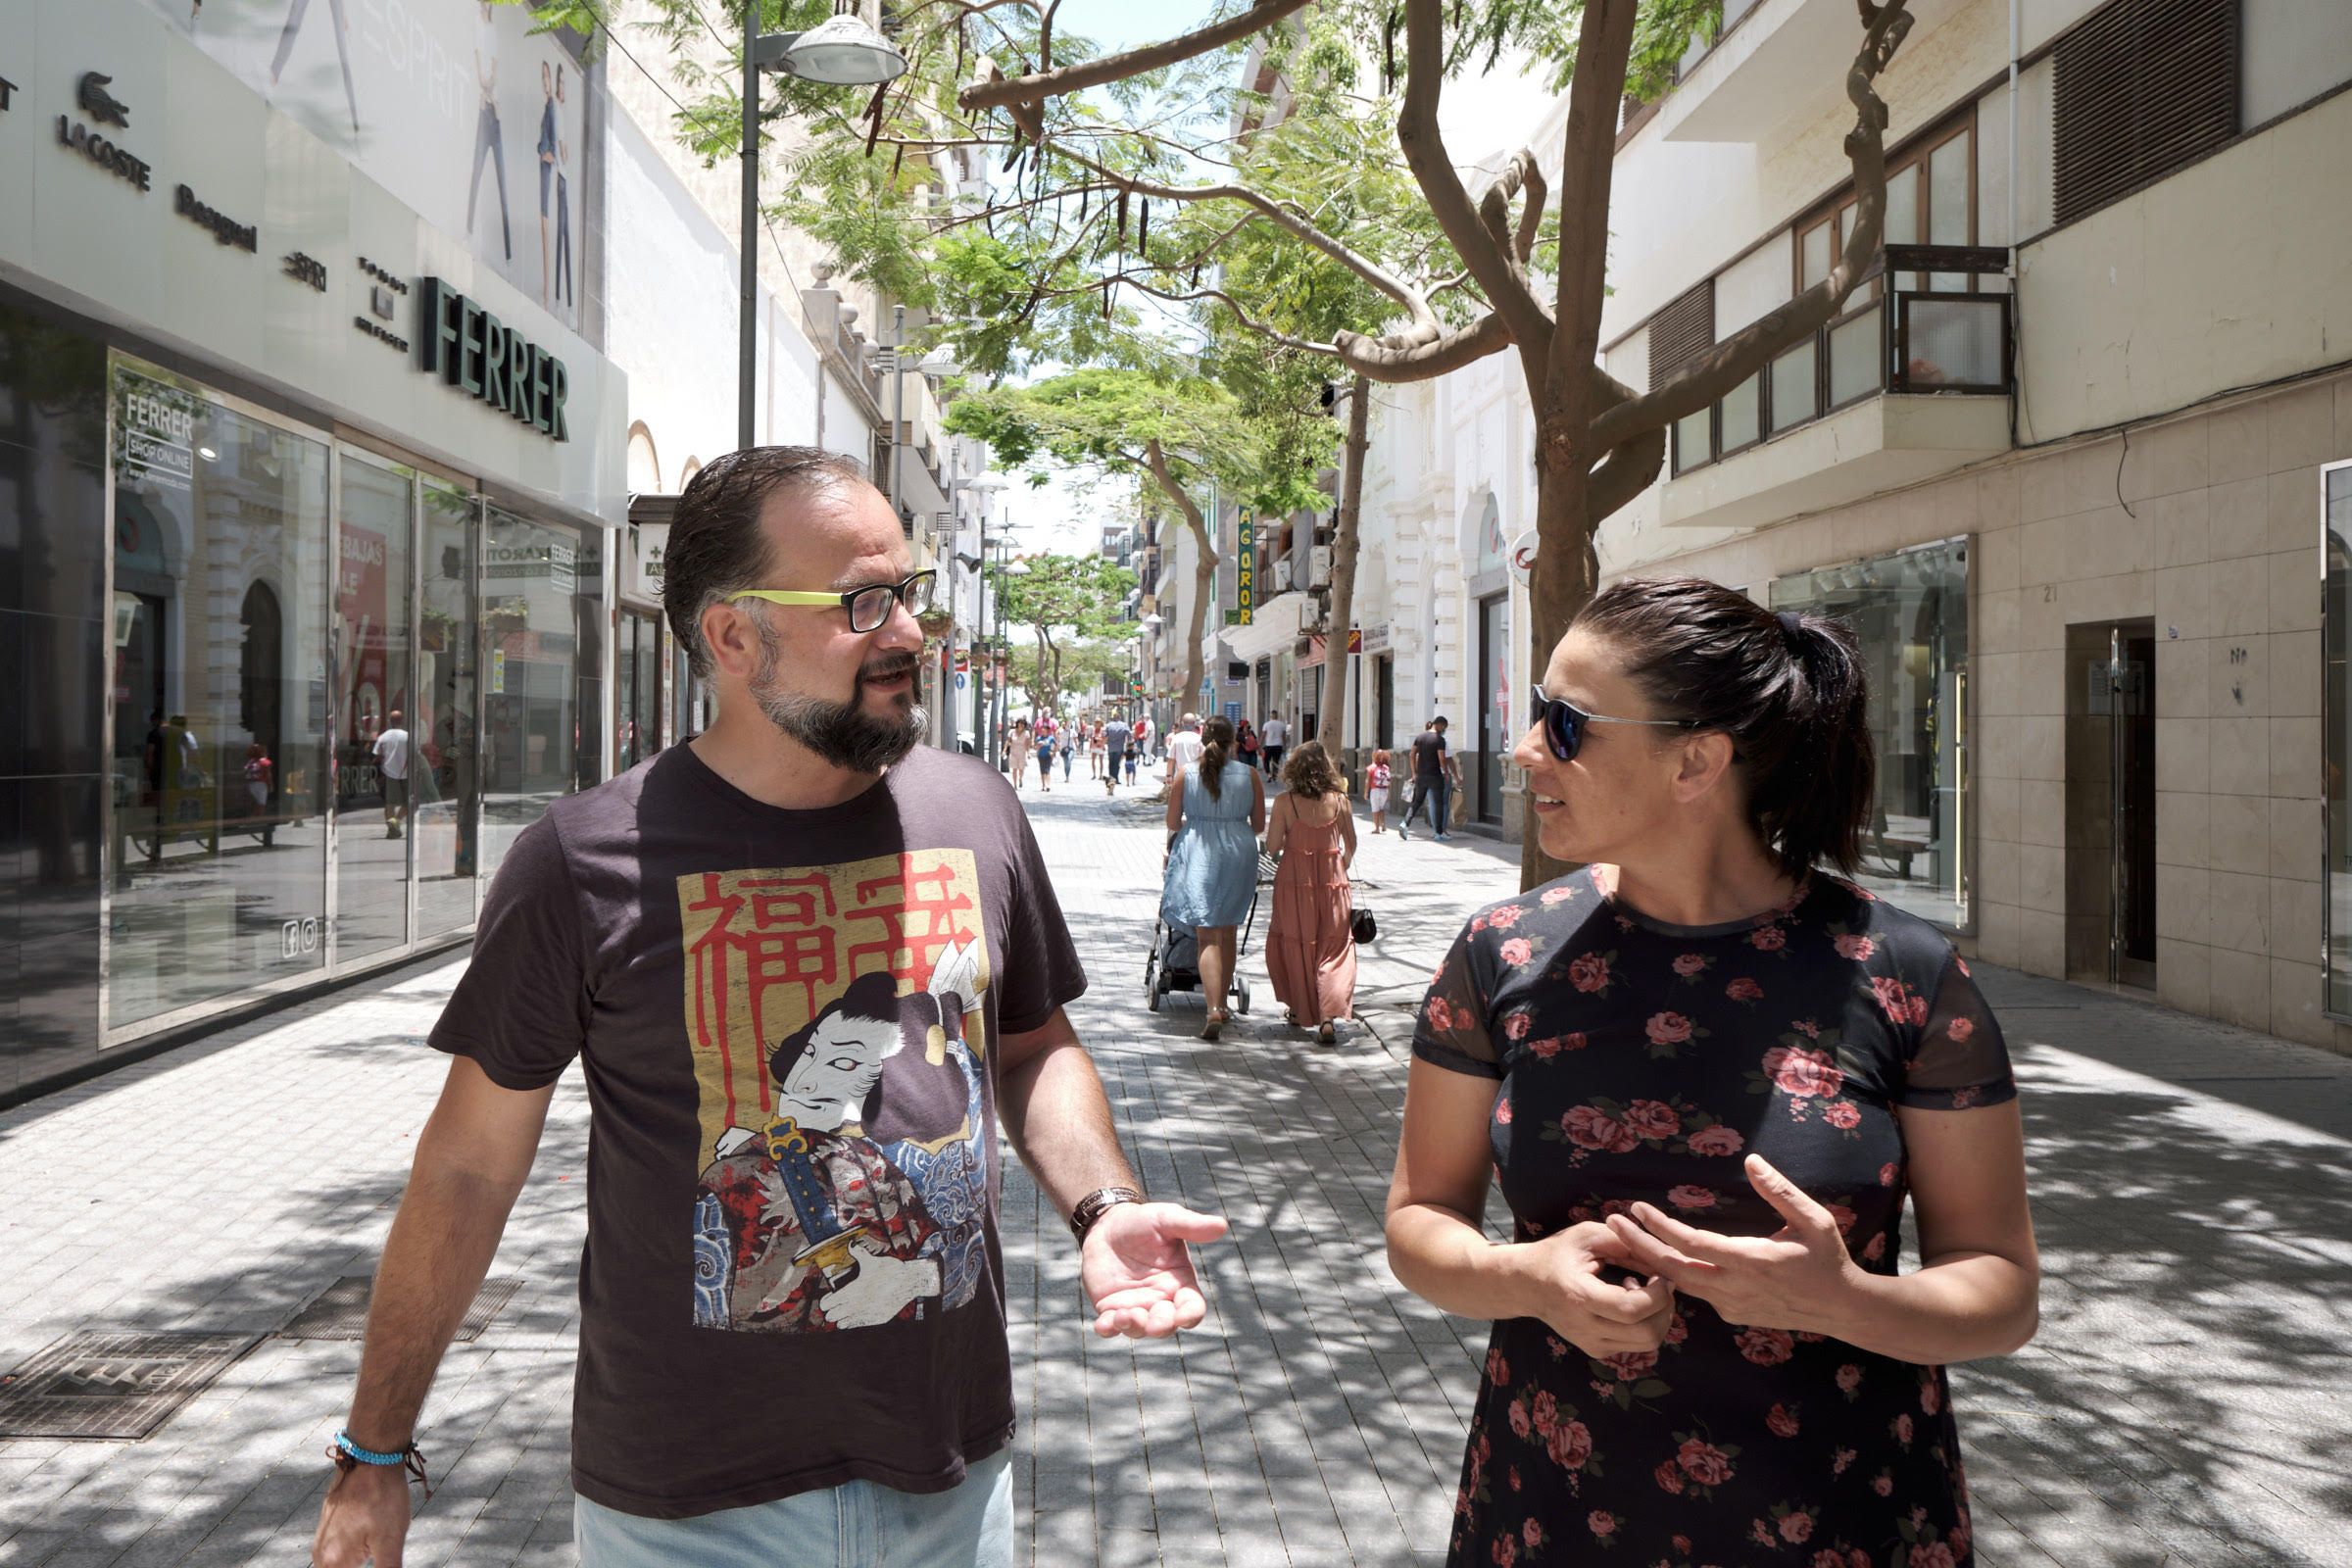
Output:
(1638, 1060)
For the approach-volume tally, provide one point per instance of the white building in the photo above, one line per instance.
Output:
(2066, 474)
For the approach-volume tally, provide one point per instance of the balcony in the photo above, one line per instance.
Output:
(1912, 381)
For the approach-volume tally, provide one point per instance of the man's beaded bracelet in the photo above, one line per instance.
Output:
(349, 1457)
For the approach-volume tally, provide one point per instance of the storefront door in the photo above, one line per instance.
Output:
(1495, 738)
(542, 708)
(377, 771)
(2111, 803)
(637, 669)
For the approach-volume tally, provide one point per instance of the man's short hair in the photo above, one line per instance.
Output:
(715, 547)
(1437, 722)
(1191, 719)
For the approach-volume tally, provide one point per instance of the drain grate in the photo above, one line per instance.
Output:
(112, 1385)
(342, 1310)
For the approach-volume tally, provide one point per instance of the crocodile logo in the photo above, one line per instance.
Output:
(99, 104)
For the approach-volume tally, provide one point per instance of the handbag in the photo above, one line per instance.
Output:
(1364, 927)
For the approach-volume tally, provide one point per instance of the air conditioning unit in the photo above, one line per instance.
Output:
(1282, 575)
(1318, 566)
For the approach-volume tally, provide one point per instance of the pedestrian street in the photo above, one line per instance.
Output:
(2181, 1405)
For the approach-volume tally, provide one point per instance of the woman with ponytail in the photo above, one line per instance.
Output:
(1216, 809)
(1708, 1074)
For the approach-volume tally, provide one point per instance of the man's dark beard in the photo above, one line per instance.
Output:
(842, 733)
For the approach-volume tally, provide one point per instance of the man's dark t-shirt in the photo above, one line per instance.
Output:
(789, 1024)
(1429, 755)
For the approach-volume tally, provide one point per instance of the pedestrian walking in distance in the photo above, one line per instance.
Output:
(1017, 751)
(1311, 937)
(1216, 809)
(1379, 777)
(1435, 776)
(1115, 736)
(1273, 741)
(1710, 1076)
(792, 1334)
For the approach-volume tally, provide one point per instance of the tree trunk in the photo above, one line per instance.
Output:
(1567, 572)
(1204, 573)
(1347, 538)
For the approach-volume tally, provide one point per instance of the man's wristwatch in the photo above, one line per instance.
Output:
(1095, 1204)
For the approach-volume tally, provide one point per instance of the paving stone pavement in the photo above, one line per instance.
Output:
(2184, 1403)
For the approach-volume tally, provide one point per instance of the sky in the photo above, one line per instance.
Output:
(1478, 116)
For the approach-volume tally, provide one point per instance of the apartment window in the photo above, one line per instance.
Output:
(1945, 334)
(2142, 88)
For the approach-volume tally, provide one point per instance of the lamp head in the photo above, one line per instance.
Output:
(841, 51)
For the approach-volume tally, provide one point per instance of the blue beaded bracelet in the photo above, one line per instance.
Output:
(369, 1456)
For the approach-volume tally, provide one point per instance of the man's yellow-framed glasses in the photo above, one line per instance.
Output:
(868, 607)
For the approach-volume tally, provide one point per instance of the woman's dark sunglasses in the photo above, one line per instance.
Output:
(1564, 723)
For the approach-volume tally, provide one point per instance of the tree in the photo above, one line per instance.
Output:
(1067, 603)
(1598, 443)
(1094, 147)
(1176, 434)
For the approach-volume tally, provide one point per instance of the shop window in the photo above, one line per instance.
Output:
(540, 604)
(1909, 612)
(217, 848)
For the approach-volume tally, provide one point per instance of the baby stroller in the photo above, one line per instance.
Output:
(1174, 962)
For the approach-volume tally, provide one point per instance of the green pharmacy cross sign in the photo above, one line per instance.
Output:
(477, 354)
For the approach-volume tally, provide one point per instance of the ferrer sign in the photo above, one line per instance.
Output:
(476, 352)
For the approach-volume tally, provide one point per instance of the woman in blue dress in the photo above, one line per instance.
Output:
(1216, 809)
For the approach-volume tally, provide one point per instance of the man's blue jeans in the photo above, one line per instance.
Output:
(857, 1524)
(1435, 792)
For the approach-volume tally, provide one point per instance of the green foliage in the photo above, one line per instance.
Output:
(1078, 594)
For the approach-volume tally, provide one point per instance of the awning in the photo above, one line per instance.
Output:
(1275, 628)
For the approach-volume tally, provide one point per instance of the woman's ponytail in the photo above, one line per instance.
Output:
(1217, 750)
(1827, 779)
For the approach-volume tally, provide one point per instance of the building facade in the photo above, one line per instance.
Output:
(309, 466)
(2066, 461)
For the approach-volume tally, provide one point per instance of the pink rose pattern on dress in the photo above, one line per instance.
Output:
(1632, 1065)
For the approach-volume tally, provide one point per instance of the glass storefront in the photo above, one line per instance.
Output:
(1909, 611)
(637, 669)
(540, 605)
(222, 766)
(2335, 702)
(308, 757)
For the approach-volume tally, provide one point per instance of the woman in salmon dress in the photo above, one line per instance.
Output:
(1310, 940)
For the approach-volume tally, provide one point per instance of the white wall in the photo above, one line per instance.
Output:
(672, 320)
(2236, 271)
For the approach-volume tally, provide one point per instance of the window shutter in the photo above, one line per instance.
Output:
(2142, 87)
(1682, 332)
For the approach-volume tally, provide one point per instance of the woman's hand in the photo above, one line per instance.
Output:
(1798, 1277)
(1597, 1317)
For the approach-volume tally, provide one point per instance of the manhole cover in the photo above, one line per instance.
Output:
(342, 1310)
(112, 1385)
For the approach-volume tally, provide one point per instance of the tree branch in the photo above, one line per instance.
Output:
(1282, 217)
(1002, 91)
(1747, 351)
(1392, 361)
(1424, 147)
(1587, 163)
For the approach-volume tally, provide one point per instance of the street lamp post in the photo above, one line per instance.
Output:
(839, 51)
(984, 486)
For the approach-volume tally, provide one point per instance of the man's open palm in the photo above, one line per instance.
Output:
(1137, 1272)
